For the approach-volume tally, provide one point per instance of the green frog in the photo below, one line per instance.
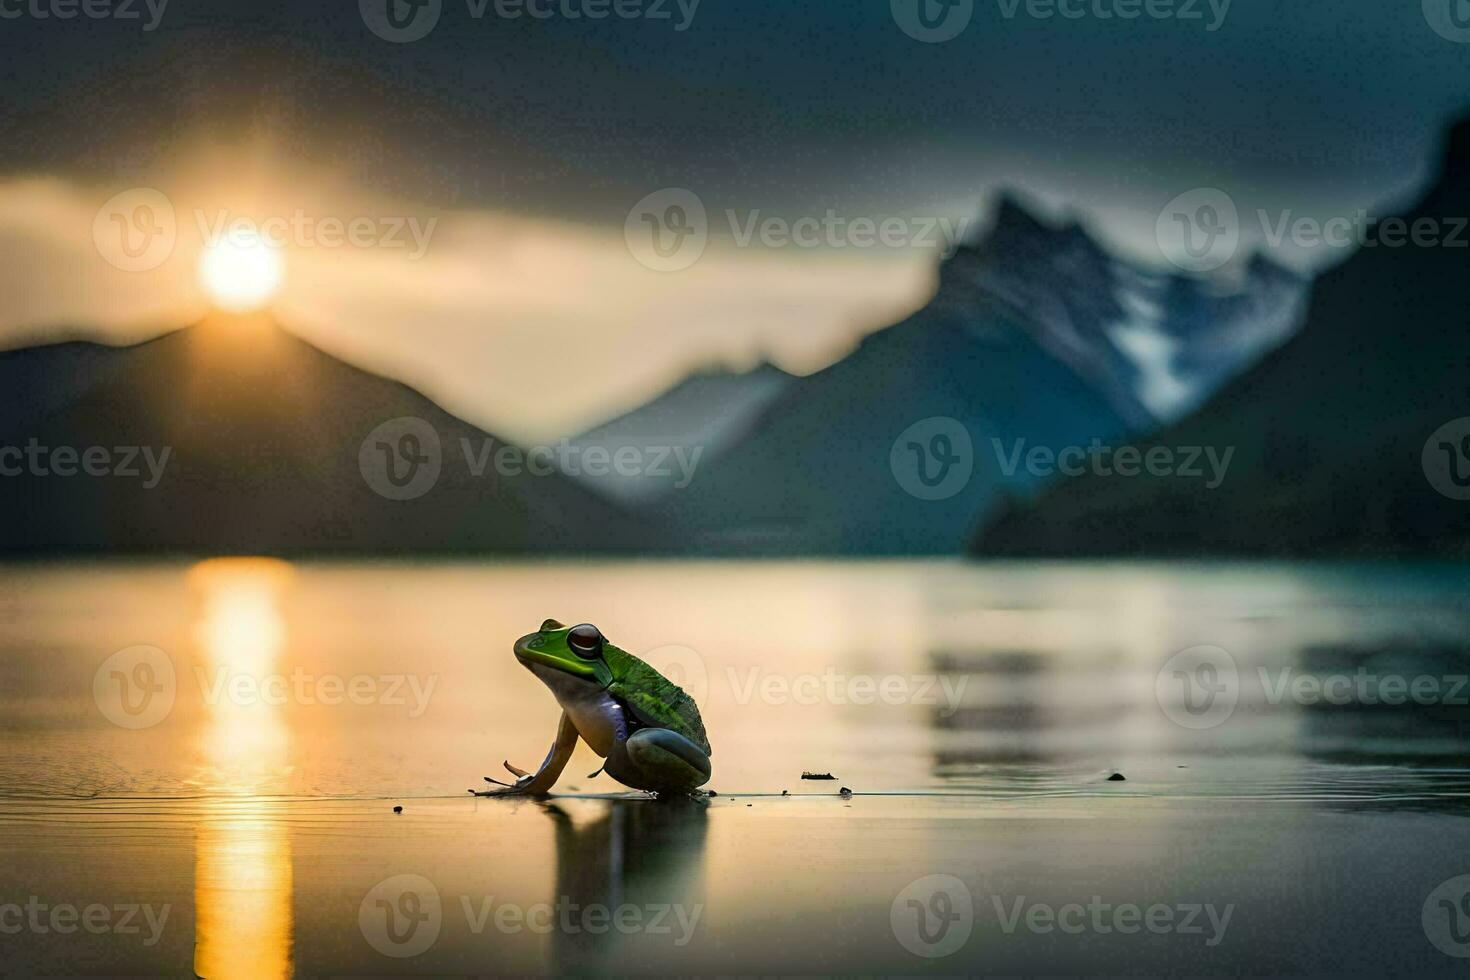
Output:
(645, 727)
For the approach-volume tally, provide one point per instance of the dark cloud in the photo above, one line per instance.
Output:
(757, 102)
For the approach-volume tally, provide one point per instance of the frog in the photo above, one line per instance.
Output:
(645, 727)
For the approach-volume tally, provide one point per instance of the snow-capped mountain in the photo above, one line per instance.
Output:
(1346, 441)
(1155, 344)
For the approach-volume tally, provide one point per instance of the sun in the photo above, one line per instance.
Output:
(240, 272)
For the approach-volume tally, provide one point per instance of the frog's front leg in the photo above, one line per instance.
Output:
(540, 782)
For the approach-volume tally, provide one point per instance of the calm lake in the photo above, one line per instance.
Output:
(200, 765)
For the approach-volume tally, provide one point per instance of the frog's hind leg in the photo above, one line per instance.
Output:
(666, 760)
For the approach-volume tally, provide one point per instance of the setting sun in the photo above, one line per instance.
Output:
(240, 274)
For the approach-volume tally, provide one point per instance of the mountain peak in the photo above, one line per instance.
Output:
(1011, 213)
(266, 445)
(1014, 221)
(1018, 235)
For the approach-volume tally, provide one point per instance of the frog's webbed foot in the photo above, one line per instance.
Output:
(522, 777)
(540, 782)
(523, 786)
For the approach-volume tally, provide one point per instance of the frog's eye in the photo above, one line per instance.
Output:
(585, 641)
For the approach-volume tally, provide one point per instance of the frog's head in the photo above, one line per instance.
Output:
(556, 651)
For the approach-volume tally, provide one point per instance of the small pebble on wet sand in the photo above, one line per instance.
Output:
(1117, 777)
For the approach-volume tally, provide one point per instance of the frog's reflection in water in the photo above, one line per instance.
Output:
(629, 882)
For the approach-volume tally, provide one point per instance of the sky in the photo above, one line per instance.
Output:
(501, 167)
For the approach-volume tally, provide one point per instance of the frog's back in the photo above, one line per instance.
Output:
(655, 699)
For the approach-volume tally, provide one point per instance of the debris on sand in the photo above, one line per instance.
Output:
(1117, 777)
(845, 793)
(786, 792)
(398, 809)
(817, 775)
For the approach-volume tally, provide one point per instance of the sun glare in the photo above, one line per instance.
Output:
(240, 274)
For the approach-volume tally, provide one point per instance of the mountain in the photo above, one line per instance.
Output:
(1331, 434)
(702, 417)
(1036, 332)
(817, 473)
(234, 436)
(1155, 344)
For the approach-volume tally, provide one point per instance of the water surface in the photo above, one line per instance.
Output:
(221, 745)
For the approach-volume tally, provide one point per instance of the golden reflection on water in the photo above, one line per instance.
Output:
(242, 855)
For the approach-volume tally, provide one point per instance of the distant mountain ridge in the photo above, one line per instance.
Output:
(270, 450)
(1330, 431)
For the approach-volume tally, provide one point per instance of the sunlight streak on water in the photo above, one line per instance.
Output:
(242, 853)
